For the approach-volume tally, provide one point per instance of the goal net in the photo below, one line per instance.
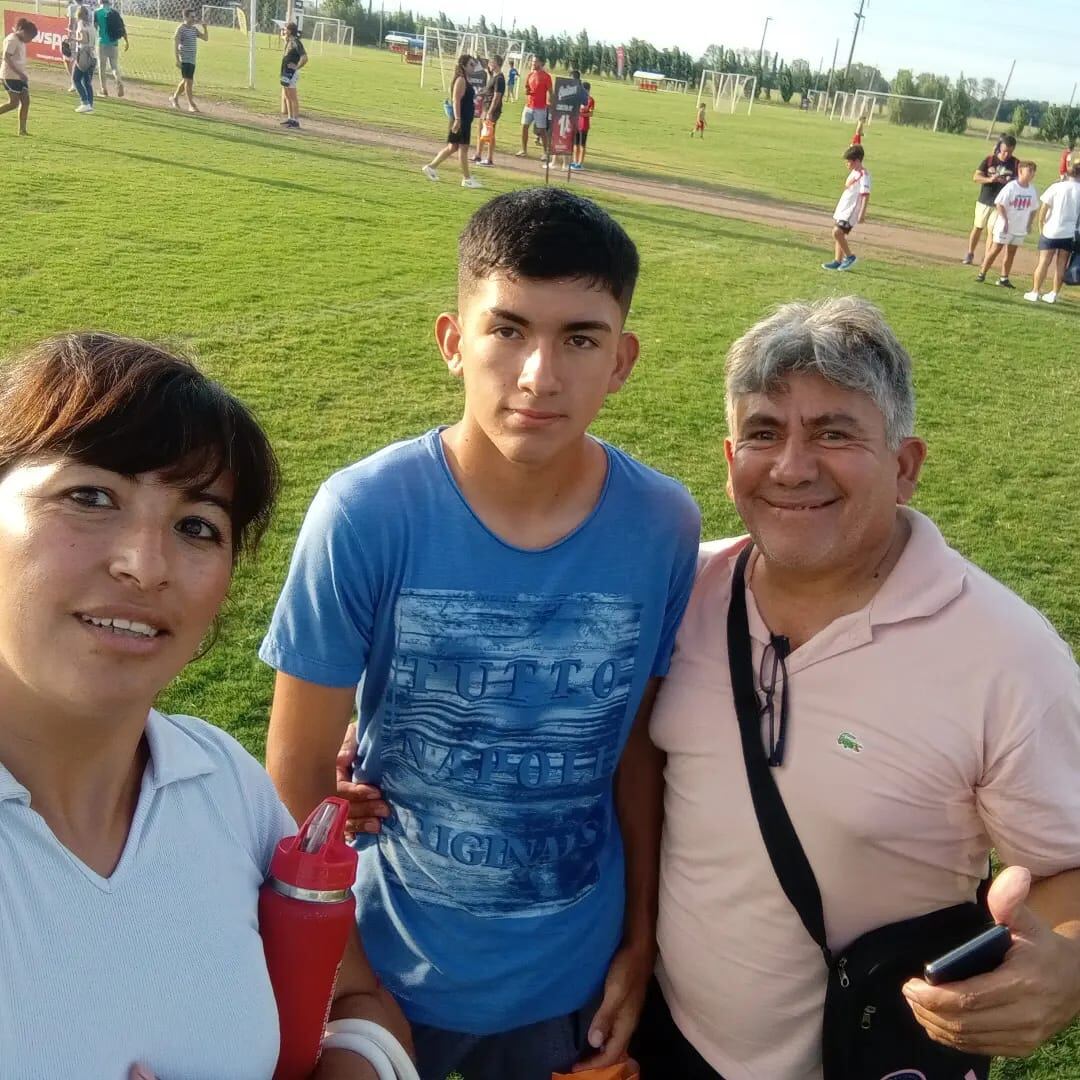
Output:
(819, 100)
(900, 108)
(323, 31)
(225, 15)
(727, 89)
(443, 47)
(841, 102)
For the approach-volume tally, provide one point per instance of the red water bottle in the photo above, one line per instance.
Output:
(306, 913)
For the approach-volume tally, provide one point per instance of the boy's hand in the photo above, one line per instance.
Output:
(365, 800)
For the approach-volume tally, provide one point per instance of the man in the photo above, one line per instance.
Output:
(111, 29)
(13, 74)
(537, 92)
(993, 173)
(186, 46)
(494, 93)
(473, 591)
(928, 715)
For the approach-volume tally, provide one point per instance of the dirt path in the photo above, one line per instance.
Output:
(923, 245)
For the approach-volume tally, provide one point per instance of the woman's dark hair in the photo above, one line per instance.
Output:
(132, 407)
(291, 29)
(462, 65)
(548, 234)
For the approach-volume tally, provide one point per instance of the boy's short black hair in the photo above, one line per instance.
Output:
(548, 234)
(854, 153)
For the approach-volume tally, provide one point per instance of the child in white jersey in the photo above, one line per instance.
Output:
(1016, 204)
(851, 209)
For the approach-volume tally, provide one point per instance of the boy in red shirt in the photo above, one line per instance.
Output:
(537, 90)
(581, 136)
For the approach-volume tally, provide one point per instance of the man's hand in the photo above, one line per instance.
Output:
(1015, 1009)
(365, 800)
(624, 994)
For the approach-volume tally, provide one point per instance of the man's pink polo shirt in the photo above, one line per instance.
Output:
(938, 721)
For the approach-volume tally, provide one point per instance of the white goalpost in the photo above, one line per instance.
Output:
(324, 30)
(443, 47)
(840, 102)
(222, 15)
(908, 109)
(727, 86)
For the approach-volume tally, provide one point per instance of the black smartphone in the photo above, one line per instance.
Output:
(975, 957)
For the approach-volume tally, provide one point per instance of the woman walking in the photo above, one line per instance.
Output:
(1059, 220)
(294, 56)
(84, 61)
(459, 138)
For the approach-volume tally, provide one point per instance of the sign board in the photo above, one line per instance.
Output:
(51, 32)
(478, 79)
(620, 61)
(298, 14)
(566, 101)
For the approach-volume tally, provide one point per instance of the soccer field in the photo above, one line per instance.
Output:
(307, 276)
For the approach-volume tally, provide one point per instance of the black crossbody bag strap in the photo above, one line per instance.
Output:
(781, 840)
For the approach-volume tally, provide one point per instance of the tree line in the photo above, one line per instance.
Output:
(962, 98)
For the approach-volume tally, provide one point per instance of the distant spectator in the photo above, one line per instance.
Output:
(1063, 167)
(459, 138)
(13, 73)
(186, 45)
(699, 123)
(67, 47)
(537, 91)
(1017, 204)
(1057, 220)
(84, 60)
(293, 57)
(494, 94)
(511, 82)
(993, 173)
(111, 31)
(581, 138)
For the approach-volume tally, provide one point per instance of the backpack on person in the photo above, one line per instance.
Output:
(114, 25)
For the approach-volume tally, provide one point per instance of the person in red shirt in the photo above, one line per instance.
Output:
(581, 137)
(856, 139)
(537, 91)
(1063, 167)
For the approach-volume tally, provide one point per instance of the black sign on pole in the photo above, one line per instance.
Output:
(565, 105)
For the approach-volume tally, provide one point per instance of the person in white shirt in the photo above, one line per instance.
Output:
(83, 59)
(1059, 220)
(13, 74)
(851, 209)
(132, 844)
(68, 46)
(1016, 204)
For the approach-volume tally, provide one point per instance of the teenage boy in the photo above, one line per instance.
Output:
(699, 123)
(535, 114)
(111, 29)
(581, 136)
(993, 173)
(186, 46)
(493, 104)
(473, 590)
(1016, 205)
(851, 209)
(13, 73)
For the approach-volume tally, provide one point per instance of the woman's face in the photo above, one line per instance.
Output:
(109, 583)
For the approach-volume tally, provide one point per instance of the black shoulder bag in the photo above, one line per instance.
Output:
(869, 1031)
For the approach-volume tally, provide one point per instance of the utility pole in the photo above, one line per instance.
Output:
(1004, 91)
(832, 72)
(859, 16)
(761, 51)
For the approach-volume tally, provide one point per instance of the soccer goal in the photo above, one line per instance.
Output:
(724, 87)
(509, 48)
(228, 15)
(324, 31)
(443, 47)
(901, 108)
(841, 102)
(819, 100)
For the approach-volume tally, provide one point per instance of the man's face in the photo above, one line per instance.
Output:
(812, 476)
(538, 65)
(537, 358)
(1004, 152)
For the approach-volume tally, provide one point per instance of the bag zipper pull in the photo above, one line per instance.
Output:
(845, 982)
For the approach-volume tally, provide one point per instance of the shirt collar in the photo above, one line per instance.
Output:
(175, 755)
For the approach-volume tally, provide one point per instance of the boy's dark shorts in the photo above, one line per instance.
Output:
(844, 226)
(16, 86)
(187, 71)
(581, 138)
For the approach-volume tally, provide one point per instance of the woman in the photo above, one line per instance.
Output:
(293, 57)
(84, 60)
(132, 844)
(459, 138)
(1059, 220)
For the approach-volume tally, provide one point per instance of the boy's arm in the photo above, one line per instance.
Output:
(639, 806)
(204, 33)
(307, 722)
(864, 202)
(176, 43)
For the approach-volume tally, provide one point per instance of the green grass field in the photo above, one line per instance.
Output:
(307, 275)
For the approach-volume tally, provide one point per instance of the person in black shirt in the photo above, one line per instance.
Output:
(494, 94)
(293, 57)
(992, 174)
(459, 138)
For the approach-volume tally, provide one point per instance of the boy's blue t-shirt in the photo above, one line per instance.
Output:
(497, 687)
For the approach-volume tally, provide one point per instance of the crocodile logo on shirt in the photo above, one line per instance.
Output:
(846, 741)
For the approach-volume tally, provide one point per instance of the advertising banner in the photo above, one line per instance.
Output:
(566, 104)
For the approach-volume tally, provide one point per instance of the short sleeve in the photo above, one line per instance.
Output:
(322, 626)
(864, 184)
(1029, 798)
(683, 571)
(1003, 196)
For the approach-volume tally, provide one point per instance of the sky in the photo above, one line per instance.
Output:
(980, 38)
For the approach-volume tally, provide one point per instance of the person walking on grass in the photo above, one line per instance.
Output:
(850, 210)
(13, 73)
(1016, 206)
(1059, 222)
(699, 123)
(511, 82)
(83, 59)
(535, 114)
(186, 45)
(293, 57)
(993, 173)
(459, 137)
(111, 31)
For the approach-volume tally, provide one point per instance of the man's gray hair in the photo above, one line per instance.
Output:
(844, 340)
